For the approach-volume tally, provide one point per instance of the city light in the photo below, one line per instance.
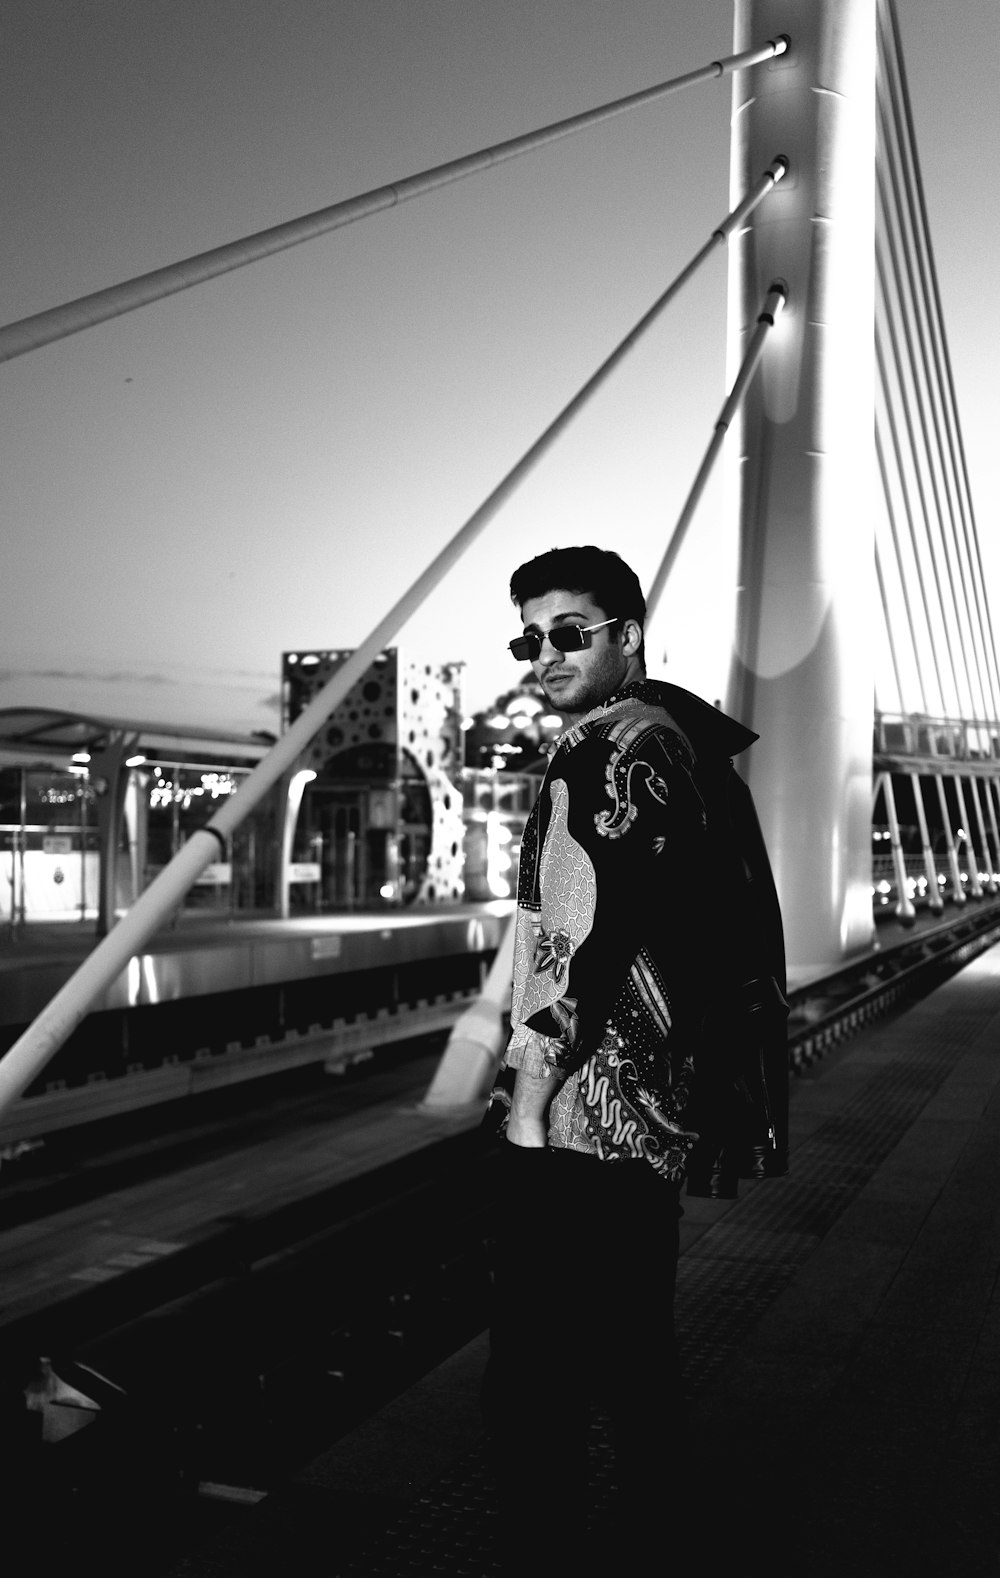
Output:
(165, 792)
(498, 858)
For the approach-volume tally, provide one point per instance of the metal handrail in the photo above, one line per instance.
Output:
(922, 735)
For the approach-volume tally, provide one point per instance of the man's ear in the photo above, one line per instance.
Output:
(631, 636)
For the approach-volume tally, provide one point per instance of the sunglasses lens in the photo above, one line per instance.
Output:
(567, 638)
(525, 649)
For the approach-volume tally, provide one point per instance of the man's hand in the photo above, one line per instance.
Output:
(528, 1123)
(530, 1133)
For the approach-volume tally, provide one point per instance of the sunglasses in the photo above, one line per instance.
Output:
(565, 638)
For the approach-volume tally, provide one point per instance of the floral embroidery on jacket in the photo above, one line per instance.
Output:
(553, 951)
(599, 946)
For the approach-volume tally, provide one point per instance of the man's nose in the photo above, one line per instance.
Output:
(554, 653)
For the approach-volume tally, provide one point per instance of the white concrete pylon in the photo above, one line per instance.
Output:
(802, 467)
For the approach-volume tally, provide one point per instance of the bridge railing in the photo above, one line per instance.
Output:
(918, 886)
(919, 735)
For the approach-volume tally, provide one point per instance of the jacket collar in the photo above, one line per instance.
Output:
(711, 731)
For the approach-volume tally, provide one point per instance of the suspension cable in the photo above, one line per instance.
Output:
(775, 300)
(44, 1037)
(883, 593)
(27, 334)
(944, 385)
(900, 270)
(914, 644)
(923, 513)
(905, 493)
(913, 314)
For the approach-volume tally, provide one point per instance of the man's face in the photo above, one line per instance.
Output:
(575, 682)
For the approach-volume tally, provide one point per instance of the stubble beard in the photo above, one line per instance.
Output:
(594, 690)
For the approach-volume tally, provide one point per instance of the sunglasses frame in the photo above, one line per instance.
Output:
(547, 635)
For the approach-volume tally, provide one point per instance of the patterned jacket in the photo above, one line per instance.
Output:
(615, 961)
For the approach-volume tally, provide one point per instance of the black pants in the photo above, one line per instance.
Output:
(583, 1316)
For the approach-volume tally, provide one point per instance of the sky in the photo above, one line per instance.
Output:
(267, 461)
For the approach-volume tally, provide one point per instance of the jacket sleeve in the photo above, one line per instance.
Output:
(622, 843)
(739, 1096)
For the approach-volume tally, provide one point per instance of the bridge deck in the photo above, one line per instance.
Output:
(840, 1331)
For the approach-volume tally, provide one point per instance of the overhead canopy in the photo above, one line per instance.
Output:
(35, 731)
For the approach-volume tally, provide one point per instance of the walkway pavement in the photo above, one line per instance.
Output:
(841, 1344)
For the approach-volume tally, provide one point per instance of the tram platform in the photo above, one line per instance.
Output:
(44, 954)
(840, 1338)
(211, 1003)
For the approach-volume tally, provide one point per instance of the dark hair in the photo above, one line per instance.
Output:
(602, 574)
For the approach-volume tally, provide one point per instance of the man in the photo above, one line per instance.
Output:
(628, 1014)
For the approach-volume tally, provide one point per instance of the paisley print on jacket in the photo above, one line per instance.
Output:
(595, 943)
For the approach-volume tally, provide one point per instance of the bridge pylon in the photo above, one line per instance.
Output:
(802, 473)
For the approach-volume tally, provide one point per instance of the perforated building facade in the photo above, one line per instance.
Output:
(383, 817)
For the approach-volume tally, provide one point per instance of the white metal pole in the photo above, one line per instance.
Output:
(934, 899)
(41, 329)
(905, 911)
(984, 843)
(290, 816)
(991, 813)
(477, 1039)
(958, 893)
(765, 322)
(971, 852)
(59, 1017)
